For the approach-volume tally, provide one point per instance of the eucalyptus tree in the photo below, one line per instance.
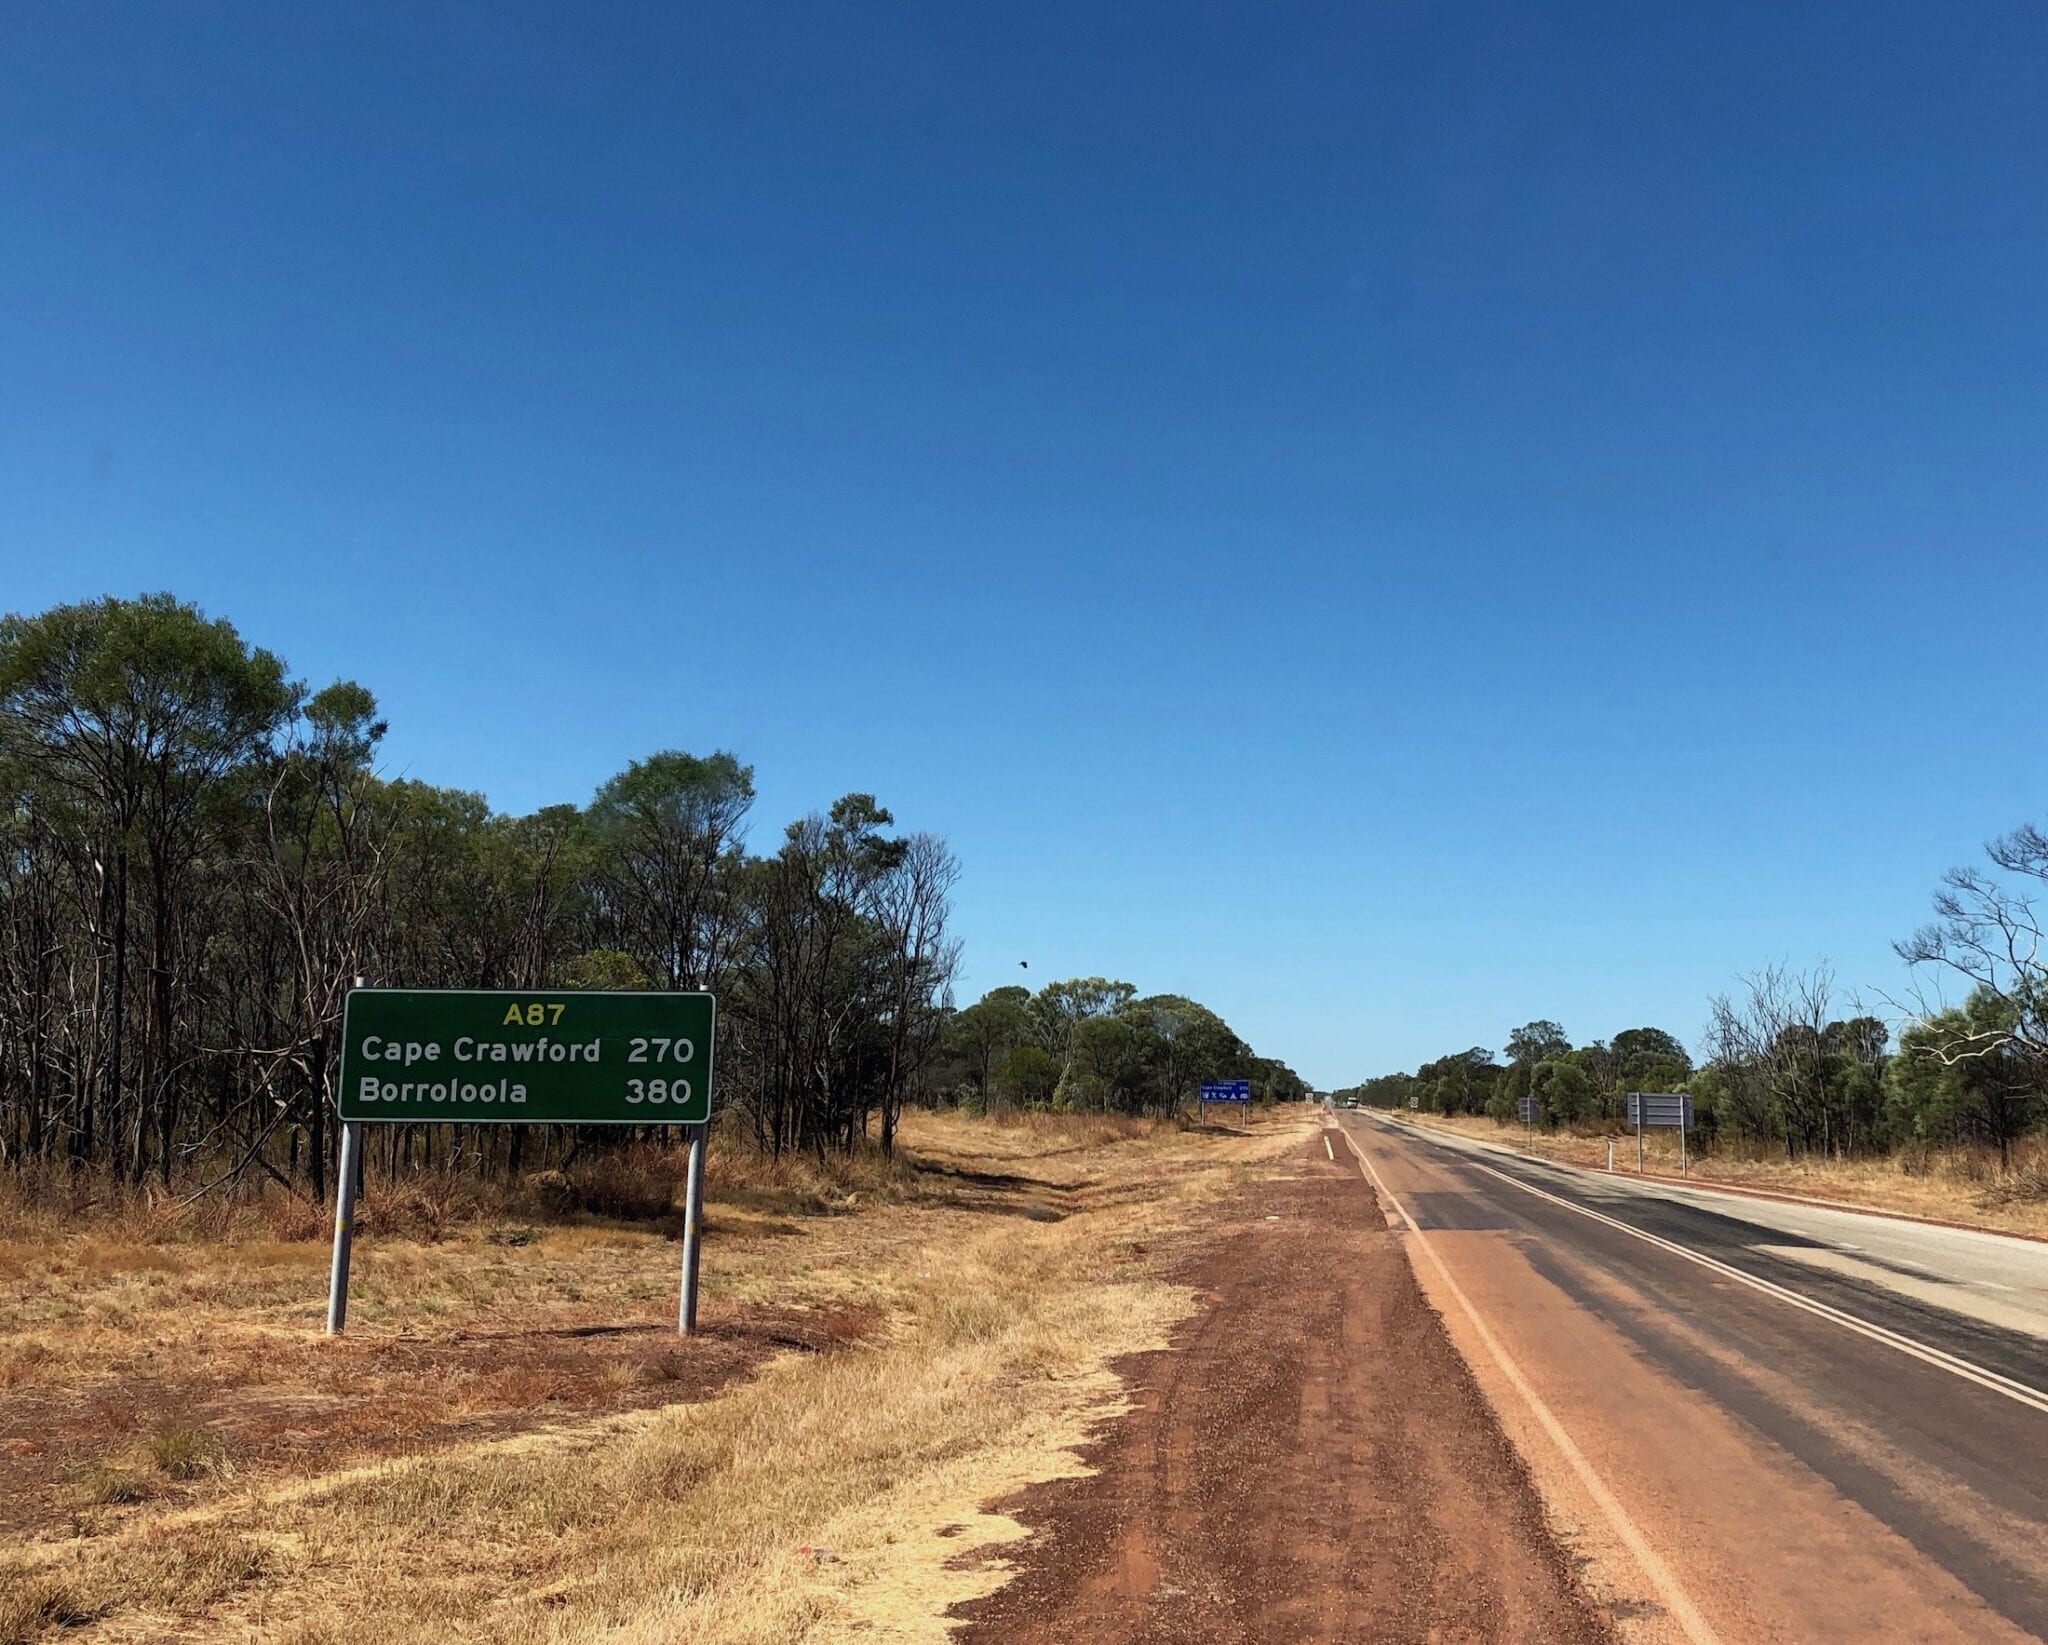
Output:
(1112, 1063)
(1994, 1094)
(1539, 1041)
(983, 1033)
(664, 834)
(1528, 1047)
(1059, 1008)
(127, 717)
(814, 969)
(910, 907)
(1650, 1059)
(1193, 1044)
(315, 873)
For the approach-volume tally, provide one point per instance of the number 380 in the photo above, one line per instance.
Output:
(658, 1091)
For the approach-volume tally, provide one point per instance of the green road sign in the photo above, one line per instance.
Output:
(566, 1056)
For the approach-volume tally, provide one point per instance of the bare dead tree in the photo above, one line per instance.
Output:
(910, 906)
(1770, 1047)
(1987, 931)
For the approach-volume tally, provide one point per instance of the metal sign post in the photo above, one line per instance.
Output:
(344, 1227)
(1665, 1110)
(523, 1056)
(693, 1229)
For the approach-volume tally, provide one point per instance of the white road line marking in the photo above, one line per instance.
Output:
(2033, 1398)
(1673, 1596)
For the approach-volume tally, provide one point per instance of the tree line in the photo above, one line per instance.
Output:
(1786, 1063)
(199, 856)
(1092, 1044)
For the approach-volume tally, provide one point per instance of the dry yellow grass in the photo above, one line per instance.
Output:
(1962, 1185)
(829, 1494)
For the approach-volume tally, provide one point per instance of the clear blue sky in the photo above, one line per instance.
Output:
(1392, 519)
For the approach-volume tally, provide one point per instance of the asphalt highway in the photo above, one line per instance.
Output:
(1751, 1420)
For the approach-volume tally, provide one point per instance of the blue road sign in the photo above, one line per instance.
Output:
(1226, 1090)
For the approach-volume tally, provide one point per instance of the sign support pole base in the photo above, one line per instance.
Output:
(344, 1225)
(693, 1231)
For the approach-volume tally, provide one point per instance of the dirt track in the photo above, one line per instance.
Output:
(1310, 1462)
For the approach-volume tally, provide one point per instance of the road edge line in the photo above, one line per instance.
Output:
(1661, 1577)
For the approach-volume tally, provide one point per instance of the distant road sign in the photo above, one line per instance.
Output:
(1226, 1090)
(1525, 1109)
(564, 1056)
(1651, 1109)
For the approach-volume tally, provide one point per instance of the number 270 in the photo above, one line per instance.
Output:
(663, 1050)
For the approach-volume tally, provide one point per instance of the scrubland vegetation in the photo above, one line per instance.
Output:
(513, 1445)
(198, 856)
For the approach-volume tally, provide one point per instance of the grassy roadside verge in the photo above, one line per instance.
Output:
(455, 1470)
(1957, 1186)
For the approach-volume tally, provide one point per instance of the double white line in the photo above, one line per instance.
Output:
(2032, 1398)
